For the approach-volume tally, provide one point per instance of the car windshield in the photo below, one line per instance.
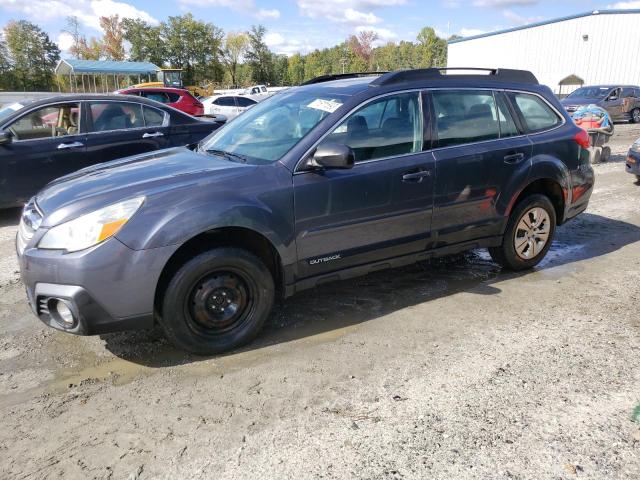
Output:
(268, 130)
(590, 92)
(9, 109)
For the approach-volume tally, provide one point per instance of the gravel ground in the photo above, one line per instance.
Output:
(452, 370)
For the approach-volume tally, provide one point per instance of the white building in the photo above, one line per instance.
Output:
(600, 47)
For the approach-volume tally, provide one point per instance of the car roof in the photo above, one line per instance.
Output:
(353, 86)
(181, 91)
(78, 97)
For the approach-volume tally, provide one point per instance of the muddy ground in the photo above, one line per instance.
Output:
(452, 370)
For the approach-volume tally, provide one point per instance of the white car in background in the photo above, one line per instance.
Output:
(228, 105)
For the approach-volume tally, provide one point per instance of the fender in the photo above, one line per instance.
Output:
(178, 215)
(543, 167)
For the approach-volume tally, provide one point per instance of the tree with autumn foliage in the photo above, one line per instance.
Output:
(112, 40)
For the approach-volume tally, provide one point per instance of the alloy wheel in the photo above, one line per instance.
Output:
(532, 233)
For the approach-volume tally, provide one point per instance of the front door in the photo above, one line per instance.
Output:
(119, 129)
(47, 143)
(381, 208)
(479, 150)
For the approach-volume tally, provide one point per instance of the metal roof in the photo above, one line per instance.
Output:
(547, 22)
(69, 66)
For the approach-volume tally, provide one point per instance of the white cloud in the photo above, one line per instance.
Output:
(384, 34)
(354, 12)
(470, 32)
(245, 6)
(503, 3)
(288, 45)
(517, 19)
(64, 41)
(625, 5)
(87, 11)
(266, 14)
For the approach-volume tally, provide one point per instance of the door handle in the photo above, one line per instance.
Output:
(514, 158)
(153, 135)
(416, 176)
(64, 146)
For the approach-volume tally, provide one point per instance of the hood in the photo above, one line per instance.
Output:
(580, 101)
(100, 185)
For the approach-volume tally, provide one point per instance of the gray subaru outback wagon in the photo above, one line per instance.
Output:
(345, 175)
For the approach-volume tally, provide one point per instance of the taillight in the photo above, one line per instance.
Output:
(582, 138)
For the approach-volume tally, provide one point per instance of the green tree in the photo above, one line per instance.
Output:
(258, 55)
(146, 41)
(235, 46)
(193, 46)
(6, 70)
(295, 69)
(33, 55)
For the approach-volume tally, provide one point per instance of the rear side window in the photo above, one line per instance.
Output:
(538, 116)
(153, 117)
(465, 116)
(156, 96)
(107, 116)
(245, 102)
(173, 97)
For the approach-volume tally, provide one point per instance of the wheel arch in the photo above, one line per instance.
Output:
(230, 236)
(549, 187)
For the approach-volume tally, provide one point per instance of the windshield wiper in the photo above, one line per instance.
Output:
(229, 155)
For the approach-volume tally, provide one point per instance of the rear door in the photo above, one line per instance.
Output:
(47, 143)
(119, 129)
(380, 208)
(480, 149)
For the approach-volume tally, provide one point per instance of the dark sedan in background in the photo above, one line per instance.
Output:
(622, 102)
(45, 139)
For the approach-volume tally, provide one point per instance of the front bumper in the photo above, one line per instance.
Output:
(632, 165)
(109, 287)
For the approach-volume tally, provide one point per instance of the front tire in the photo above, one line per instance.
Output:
(529, 234)
(217, 301)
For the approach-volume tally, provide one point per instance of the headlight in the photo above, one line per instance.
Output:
(636, 146)
(90, 229)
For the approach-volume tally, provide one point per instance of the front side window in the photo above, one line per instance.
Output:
(535, 112)
(465, 116)
(108, 116)
(267, 131)
(386, 127)
(47, 122)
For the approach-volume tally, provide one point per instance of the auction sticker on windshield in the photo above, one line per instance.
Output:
(325, 105)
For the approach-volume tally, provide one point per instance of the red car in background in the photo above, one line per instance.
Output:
(174, 97)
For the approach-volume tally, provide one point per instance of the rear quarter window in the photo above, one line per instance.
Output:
(173, 97)
(536, 114)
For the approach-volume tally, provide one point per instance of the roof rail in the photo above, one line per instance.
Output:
(340, 76)
(500, 74)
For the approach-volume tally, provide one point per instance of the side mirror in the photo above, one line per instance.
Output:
(612, 98)
(6, 138)
(333, 155)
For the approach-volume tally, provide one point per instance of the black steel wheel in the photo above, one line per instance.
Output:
(217, 301)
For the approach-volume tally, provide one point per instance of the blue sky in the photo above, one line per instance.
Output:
(302, 25)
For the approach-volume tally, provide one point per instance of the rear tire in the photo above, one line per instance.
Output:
(635, 115)
(217, 301)
(529, 234)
